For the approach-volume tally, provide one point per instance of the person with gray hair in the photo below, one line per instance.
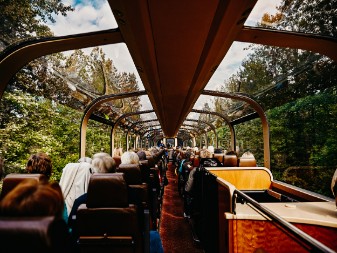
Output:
(103, 163)
(75, 176)
(129, 157)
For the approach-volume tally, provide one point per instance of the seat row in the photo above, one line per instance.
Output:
(120, 211)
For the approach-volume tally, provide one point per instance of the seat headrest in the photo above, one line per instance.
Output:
(151, 161)
(220, 157)
(247, 162)
(12, 180)
(230, 161)
(107, 190)
(33, 234)
(144, 162)
(132, 173)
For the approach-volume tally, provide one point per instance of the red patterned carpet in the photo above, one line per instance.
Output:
(174, 229)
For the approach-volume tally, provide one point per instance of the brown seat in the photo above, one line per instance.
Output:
(247, 162)
(33, 234)
(220, 157)
(230, 161)
(138, 191)
(145, 170)
(132, 173)
(151, 161)
(12, 180)
(107, 222)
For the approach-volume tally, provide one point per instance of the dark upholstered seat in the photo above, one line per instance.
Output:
(132, 173)
(33, 234)
(145, 170)
(138, 191)
(12, 180)
(151, 161)
(107, 223)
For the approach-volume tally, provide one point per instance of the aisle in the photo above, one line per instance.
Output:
(174, 228)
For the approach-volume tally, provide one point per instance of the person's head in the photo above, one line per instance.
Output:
(141, 154)
(33, 198)
(129, 158)
(247, 154)
(205, 153)
(103, 163)
(218, 151)
(231, 152)
(39, 163)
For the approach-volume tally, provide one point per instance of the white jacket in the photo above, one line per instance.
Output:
(74, 182)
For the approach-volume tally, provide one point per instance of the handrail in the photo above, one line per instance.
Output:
(304, 238)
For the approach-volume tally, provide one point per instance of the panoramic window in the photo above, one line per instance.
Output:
(52, 18)
(295, 87)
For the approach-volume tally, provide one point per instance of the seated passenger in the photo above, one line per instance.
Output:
(101, 163)
(205, 153)
(218, 151)
(247, 160)
(33, 198)
(39, 163)
(47, 232)
(74, 181)
(85, 159)
(190, 184)
(142, 155)
(183, 171)
(129, 157)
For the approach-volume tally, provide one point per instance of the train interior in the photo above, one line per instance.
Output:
(173, 57)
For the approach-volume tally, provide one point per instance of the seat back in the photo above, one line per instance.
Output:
(132, 173)
(145, 170)
(230, 161)
(107, 223)
(138, 191)
(12, 180)
(151, 161)
(33, 234)
(220, 157)
(247, 162)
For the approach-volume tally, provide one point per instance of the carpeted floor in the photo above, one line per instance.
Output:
(174, 229)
